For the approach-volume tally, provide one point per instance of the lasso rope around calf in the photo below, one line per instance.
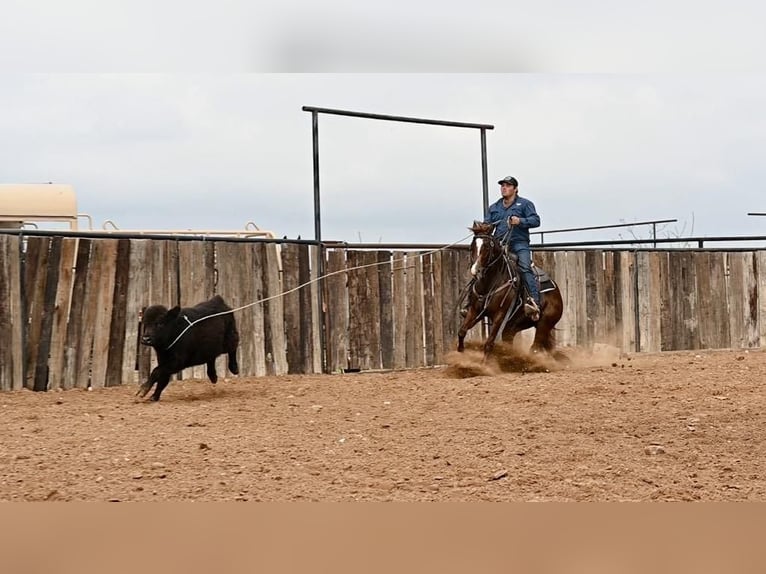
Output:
(301, 286)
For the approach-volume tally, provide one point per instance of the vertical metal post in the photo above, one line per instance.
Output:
(654, 234)
(484, 178)
(636, 308)
(315, 150)
(485, 206)
(320, 247)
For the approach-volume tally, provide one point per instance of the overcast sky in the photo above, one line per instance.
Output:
(183, 127)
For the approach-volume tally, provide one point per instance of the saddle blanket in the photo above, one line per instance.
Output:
(543, 280)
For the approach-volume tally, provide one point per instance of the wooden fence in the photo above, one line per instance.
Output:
(70, 307)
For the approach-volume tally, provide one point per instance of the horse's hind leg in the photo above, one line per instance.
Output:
(543, 337)
(552, 310)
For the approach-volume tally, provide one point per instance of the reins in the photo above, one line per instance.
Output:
(481, 274)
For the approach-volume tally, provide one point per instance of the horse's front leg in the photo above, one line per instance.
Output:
(471, 318)
(494, 327)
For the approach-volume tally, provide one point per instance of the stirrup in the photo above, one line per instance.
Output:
(532, 310)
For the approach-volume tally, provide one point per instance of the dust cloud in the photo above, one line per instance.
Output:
(507, 358)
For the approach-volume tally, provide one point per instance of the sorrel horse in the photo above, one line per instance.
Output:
(497, 292)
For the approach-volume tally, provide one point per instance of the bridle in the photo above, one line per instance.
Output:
(503, 282)
(494, 245)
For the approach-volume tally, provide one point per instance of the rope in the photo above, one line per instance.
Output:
(294, 289)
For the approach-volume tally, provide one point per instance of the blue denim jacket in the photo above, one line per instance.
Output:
(523, 209)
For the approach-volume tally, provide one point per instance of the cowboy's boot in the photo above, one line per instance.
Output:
(532, 310)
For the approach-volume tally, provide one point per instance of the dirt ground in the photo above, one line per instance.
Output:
(602, 427)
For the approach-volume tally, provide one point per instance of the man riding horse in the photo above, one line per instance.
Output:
(513, 216)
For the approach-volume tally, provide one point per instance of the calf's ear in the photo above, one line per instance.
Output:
(173, 313)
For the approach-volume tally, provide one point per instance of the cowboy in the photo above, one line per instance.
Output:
(513, 217)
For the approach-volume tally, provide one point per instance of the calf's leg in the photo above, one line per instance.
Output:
(154, 376)
(161, 384)
(233, 366)
(211, 374)
(231, 341)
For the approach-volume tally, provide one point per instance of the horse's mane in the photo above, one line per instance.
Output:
(479, 227)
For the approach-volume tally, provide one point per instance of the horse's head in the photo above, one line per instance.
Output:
(485, 248)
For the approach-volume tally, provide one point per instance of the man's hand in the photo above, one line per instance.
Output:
(514, 220)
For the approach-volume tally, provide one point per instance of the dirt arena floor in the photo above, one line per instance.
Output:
(603, 427)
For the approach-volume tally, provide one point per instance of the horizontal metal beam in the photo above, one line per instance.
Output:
(698, 240)
(139, 235)
(612, 226)
(335, 112)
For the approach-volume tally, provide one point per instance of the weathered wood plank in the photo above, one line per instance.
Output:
(292, 307)
(93, 289)
(705, 318)
(385, 291)
(372, 272)
(736, 296)
(106, 260)
(62, 304)
(317, 316)
(305, 307)
(580, 298)
(610, 290)
(11, 316)
(136, 359)
(355, 317)
(440, 345)
(447, 281)
(415, 344)
(400, 310)
(593, 286)
(751, 334)
(683, 277)
(336, 303)
(354, 343)
(761, 279)
(647, 266)
(250, 343)
(48, 311)
(258, 254)
(6, 325)
(666, 301)
(118, 329)
(625, 310)
(33, 294)
(566, 333)
(428, 308)
(75, 349)
(274, 320)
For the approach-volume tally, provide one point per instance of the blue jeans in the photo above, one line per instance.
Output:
(521, 249)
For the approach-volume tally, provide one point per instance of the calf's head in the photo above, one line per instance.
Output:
(157, 324)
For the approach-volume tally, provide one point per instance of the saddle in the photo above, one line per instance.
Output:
(544, 281)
